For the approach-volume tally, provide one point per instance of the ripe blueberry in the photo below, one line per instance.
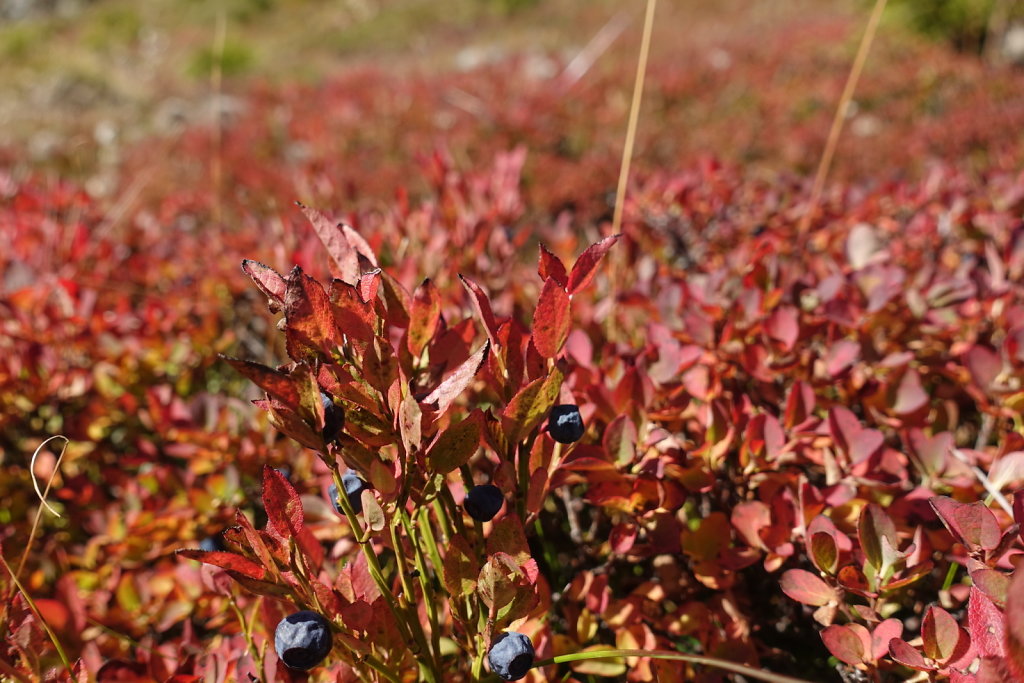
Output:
(212, 544)
(302, 640)
(483, 502)
(565, 424)
(354, 487)
(511, 656)
(334, 418)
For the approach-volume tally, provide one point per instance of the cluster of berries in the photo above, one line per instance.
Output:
(303, 639)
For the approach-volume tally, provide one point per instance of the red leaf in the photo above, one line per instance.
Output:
(852, 438)
(551, 319)
(799, 404)
(277, 384)
(508, 536)
(310, 326)
(482, 308)
(585, 268)
(845, 643)
(883, 635)
(226, 560)
(993, 583)
(783, 325)
(910, 395)
(369, 283)
(972, 524)
(284, 509)
(985, 625)
(358, 243)
(622, 537)
(984, 365)
(550, 266)
(620, 440)
(267, 280)
(424, 316)
(1015, 624)
(904, 654)
(749, 518)
(933, 450)
(337, 244)
(805, 587)
(842, 355)
(1018, 512)
(940, 634)
(455, 383)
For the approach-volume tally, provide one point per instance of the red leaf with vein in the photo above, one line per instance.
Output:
(482, 308)
(972, 524)
(550, 266)
(358, 243)
(310, 325)
(551, 320)
(276, 383)
(586, 265)
(284, 509)
(455, 383)
(424, 316)
(805, 587)
(259, 548)
(1015, 625)
(226, 560)
(905, 654)
(337, 244)
(845, 643)
(985, 625)
(267, 280)
(456, 445)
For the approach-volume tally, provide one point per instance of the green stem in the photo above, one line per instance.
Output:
(35, 610)
(408, 601)
(428, 594)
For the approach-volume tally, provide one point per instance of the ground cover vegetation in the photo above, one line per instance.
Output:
(439, 422)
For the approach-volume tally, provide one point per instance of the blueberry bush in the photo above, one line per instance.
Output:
(447, 424)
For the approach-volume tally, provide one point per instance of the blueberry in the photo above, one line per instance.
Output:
(565, 424)
(511, 656)
(302, 640)
(354, 487)
(212, 543)
(483, 502)
(334, 418)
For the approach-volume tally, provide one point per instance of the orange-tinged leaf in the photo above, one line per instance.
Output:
(455, 446)
(805, 587)
(845, 643)
(749, 518)
(277, 384)
(424, 316)
(454, 384)
(972, 524)
(225, 560)
(531, 404)
(586, 265)
(336, 242)
(284, 509)
(267, 280)
(940, 634)
(1015, 624)
(551, 320)
(550, 266)
(482, 308)
(460, 567)
(310, 329)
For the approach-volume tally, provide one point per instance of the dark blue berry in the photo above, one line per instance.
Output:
(354, 487)
(483, 502)
(334, 418)
(511, 656)
(302, 640)
(565, 424)
(212, 544)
